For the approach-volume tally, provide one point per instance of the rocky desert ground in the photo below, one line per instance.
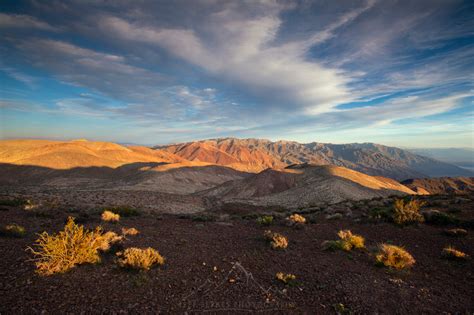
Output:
(218, 261)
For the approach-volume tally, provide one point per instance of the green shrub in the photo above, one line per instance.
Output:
(380, 214)
(341, 309)
(13, 230)
(265, 220)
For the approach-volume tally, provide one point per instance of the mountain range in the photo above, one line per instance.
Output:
(255, 171)
(255, 155)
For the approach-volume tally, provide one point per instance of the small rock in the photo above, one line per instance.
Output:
(335, 216)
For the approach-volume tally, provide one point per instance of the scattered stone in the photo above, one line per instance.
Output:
(335, 216)
(456, 232)
(376, 203)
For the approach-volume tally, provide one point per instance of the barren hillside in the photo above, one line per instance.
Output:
(78, 153)
(304, 185)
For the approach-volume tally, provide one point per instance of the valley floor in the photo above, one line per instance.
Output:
(222, 264)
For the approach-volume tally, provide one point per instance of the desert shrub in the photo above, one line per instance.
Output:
(296, 219)
(124, 211)
(265, 220)
(347, 242)
(394, 257)
(407, 212)
(30, 205)
(286, 278)
(351, 240)
(454, 254)
(73, 246)
(12, 202)
(203, 218)
(277, 241)
(380, 214)
(440, 218)
(108, 239)
(13, 230)
(250, 216)
(312, 218)
(331, 245)
(456, 232)
(137, 258)
(109, 216)
(129, 231)
(341, 309)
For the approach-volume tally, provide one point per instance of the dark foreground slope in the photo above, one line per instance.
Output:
(224, 266)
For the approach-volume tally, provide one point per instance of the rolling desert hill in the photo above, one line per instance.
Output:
(255, 155)
(179, 178)
(78, 153)
(442, 185)
(305, 185)
(102, 165)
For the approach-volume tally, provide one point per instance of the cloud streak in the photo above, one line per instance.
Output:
(20, 21)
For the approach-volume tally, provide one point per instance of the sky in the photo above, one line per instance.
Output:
(398, 73)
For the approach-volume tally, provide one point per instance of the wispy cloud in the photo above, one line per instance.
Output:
(20, 21)
(28, 80)
(241, 49)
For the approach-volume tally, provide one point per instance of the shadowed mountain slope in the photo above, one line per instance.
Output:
(151, 176)
(442, 185)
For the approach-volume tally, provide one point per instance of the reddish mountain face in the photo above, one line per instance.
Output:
(255, 155)
(232, 153)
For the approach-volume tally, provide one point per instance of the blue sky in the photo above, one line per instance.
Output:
(153, 72)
